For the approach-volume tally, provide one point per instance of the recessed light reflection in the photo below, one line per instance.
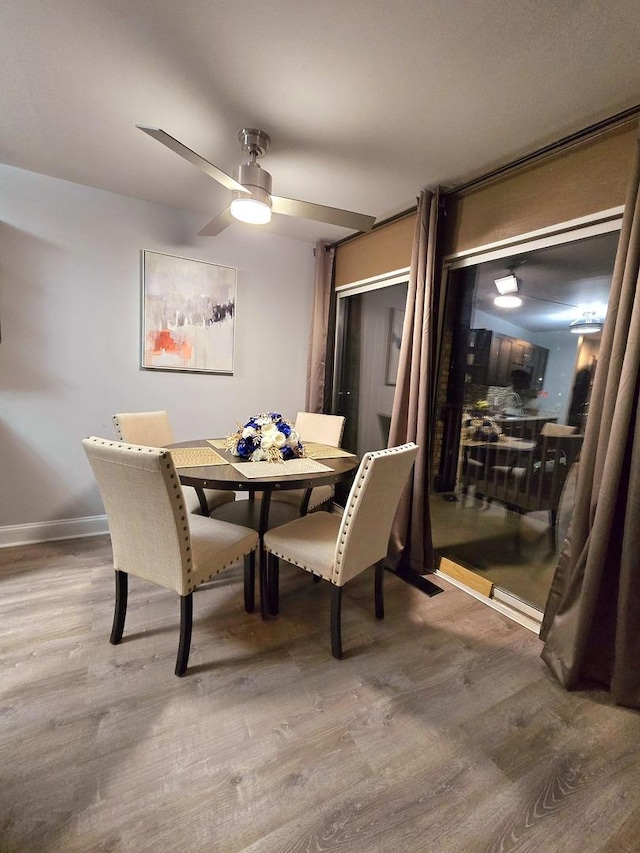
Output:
(507, 301)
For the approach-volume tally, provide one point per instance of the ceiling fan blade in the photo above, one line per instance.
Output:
(193, 158)
(322, 213)
(218, 224)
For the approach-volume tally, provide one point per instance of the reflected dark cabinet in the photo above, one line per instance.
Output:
(492, 356)
(538, 367)
(499, 368)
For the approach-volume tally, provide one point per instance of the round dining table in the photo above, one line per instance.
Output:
(259, 514)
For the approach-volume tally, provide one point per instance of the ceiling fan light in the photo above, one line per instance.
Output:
(586, 325)
(255, 209)
(507, 301)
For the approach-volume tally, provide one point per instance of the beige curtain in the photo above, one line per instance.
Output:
(411, 544)
(592, 620)
(317, 359)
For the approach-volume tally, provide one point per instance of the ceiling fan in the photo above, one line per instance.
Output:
(251, 198)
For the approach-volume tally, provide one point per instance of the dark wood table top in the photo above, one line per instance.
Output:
(506, 442)
(229, 477)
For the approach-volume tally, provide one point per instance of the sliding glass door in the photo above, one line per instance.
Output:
(369, 330)
(514, 405)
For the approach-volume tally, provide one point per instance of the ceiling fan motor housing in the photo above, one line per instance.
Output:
(256, 180)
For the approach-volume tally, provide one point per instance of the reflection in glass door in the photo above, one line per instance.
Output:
(369, 330)
(515, 406)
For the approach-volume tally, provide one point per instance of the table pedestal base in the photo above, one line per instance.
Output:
(252, 513)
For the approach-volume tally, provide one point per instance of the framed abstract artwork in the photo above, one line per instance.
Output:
(188, 314)
(396, 321)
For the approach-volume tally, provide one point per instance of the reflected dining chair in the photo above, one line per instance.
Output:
(335, 548)
(532, 479)
(319, 429)
(153, 429)
(153, 536)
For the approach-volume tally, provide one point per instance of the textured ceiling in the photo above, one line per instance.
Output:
(557, 284)
(366, 101)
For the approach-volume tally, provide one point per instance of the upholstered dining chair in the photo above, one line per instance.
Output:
(531, 479)
(153, 429)
(320, 429)
(336, 548)
(558, 429)
(155, 538)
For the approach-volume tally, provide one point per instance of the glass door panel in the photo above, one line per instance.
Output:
(514, 410)
(369, 334)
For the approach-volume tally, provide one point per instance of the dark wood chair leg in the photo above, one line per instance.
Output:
(336, 628)
(250, 582)
(263, 582)
(379, 591)
(186, 623)
(274, 584)
(120, 611)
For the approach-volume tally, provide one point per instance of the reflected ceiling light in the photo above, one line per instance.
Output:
(588, 324)
(507, 301)
(507, 284)
(254, 209)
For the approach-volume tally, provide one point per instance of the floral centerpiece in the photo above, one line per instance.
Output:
(265, 438)
(478, 426)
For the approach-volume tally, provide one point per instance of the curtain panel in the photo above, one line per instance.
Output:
(591, 624)
(322, 296)
(411, 545)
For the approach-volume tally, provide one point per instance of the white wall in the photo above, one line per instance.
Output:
(70, 322)
(560, 372)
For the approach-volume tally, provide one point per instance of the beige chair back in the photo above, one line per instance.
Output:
(363, 538)
(322, 429)
(146, 511)
(558, 429)
(150, 429)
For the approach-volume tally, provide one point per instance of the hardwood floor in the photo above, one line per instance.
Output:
(440, 732)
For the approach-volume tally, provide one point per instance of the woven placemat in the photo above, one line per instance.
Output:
(195, 457)
(323, 451)
(290, 468)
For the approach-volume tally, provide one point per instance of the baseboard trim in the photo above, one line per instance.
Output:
(52, 531)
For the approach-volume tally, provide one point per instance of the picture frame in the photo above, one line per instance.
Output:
(396, 322)
(188, 314)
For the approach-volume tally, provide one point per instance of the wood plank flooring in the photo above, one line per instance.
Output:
(440, 732)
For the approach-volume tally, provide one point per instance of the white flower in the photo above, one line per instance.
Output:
(279, 439)
(249, 432)
(258, 455)
(262, 420)
(269, 434)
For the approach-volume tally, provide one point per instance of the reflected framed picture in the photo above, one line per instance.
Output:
(188, 314)
(396, 321)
